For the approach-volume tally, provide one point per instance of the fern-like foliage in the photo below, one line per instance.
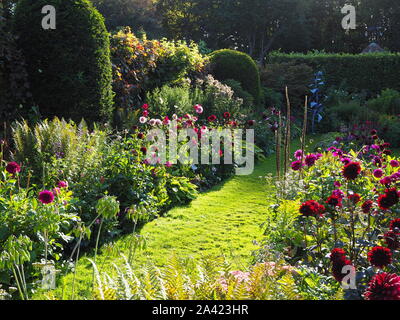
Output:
(210, 278)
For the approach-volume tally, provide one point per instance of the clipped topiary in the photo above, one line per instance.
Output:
(69, 68)
(230, 64)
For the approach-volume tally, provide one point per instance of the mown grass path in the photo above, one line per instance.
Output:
(223, 221)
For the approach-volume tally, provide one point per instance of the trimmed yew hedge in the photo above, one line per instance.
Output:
(372, 72)
(69, 68)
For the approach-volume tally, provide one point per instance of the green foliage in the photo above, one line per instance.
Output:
(57, 149)
(69, 68)
(296, 77)
(30, 230)
(230, 64)
(248, 100)
(142, 65)
(209, 279)
(14, 84)
(215, 97)
(388, 102)
(370, 72)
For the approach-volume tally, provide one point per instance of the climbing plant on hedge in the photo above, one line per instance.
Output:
(69, 67)
(231, 64)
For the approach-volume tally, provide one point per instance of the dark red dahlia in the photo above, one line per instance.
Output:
(140, 135)
(334, 200)
(367, 206)
(374, 132)
(392, 240)
(227, 115)
(355, 197)
(380, 257)
(337, 268)
(46, 197)
(251, 123)
(13, 168)
(383, 286)
(351, 170)
(143, 149)
(389, 199)
(311, 208)
(337, 254)
(296, 165)
(311, 159)
(395, 224)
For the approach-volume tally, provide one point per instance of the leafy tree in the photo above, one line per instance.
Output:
(140, 15)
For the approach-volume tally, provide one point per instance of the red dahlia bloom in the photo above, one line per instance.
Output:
(395, 224)
(355, 198)
(143, 149)
(389, 199)
(13, 168)
(227, 115)
(212, 118)
(351, 170)
(46, 197)
(334, 200)
(383, 286)
(311, 208)
(392, 240)
(380, 257)
(367, 206)
(337, 268)
(337, 254)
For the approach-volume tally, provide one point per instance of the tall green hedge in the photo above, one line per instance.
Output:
(69, 68)
(236, 65)
(372, 72)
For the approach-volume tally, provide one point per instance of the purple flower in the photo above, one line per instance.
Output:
(394, 163)
(311, 159)
(296, 165)
(378, 173)
(62, 184)
(298, 154)
(46, 197)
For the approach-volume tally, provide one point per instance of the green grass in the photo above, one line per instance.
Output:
(224, 221)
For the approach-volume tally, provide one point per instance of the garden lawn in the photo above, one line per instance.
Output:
(224, 221)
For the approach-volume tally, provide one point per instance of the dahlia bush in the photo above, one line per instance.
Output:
(35, 227)
(348, 214)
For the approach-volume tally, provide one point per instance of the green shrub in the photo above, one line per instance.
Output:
(248, 100)
(142, 65)
(14, 85)
(168, 100)
(69, 68)
(296, 77)
(390, 129)
(372, 72)
(215, 97)
(231, 64)
(272, 97)
(387, 102)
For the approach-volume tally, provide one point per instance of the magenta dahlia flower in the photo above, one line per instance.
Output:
(13, 168)
(62, 184)
(46, 197)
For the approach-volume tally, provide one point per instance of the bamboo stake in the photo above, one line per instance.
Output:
(288, 133)
(304, 132)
